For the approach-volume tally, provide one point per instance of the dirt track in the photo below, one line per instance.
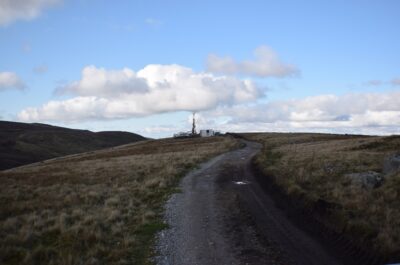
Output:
(223, 216)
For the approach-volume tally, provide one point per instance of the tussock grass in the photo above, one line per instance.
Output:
(311, 168)
(101, 207)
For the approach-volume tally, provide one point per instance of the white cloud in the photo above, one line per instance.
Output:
(377, 113)
(111, 94)
(12, 10)
(106, 83)
(265, 64)
(10, 80)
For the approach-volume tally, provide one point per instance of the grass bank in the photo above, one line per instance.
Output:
(101, 207)
(314, 171)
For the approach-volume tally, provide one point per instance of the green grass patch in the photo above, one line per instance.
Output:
(145, 236)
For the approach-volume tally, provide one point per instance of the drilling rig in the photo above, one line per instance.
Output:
(194, 124)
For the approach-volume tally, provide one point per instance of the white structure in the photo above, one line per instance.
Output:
(207, 133)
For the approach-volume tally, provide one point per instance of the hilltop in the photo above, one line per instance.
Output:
(24, 143)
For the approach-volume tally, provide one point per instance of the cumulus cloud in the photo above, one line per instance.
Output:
(110, 94)
(106, 83)
(10, 80)
(328, 108)
(12, 10)
(377, 113)
(266, 63)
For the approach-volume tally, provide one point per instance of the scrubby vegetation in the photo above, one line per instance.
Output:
(314, 170)
(101, 207)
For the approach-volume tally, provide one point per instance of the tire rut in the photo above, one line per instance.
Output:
(223, 216)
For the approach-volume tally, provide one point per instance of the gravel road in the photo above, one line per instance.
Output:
(222, 216)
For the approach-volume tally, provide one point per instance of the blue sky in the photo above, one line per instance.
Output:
(331, 66)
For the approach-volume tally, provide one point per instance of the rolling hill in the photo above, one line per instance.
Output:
(23, 143)
(101, 207)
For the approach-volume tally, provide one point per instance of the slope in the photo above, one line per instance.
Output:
(23, 143)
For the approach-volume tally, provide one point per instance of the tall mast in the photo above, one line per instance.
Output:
(194, 123)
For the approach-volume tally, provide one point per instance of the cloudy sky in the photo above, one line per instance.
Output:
(144, 66)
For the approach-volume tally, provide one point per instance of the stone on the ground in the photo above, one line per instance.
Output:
(368, 180)
(391, 164)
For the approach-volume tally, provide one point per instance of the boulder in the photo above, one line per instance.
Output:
(391, 164)
(367, 180)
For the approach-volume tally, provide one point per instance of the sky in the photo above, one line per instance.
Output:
(145, 66)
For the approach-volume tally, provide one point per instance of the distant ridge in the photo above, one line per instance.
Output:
(25, 143)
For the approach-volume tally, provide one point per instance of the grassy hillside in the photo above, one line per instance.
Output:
(22, 143)
(101, 207)
(317, 171)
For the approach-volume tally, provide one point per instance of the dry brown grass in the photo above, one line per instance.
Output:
(97, 208)
(312, 167)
